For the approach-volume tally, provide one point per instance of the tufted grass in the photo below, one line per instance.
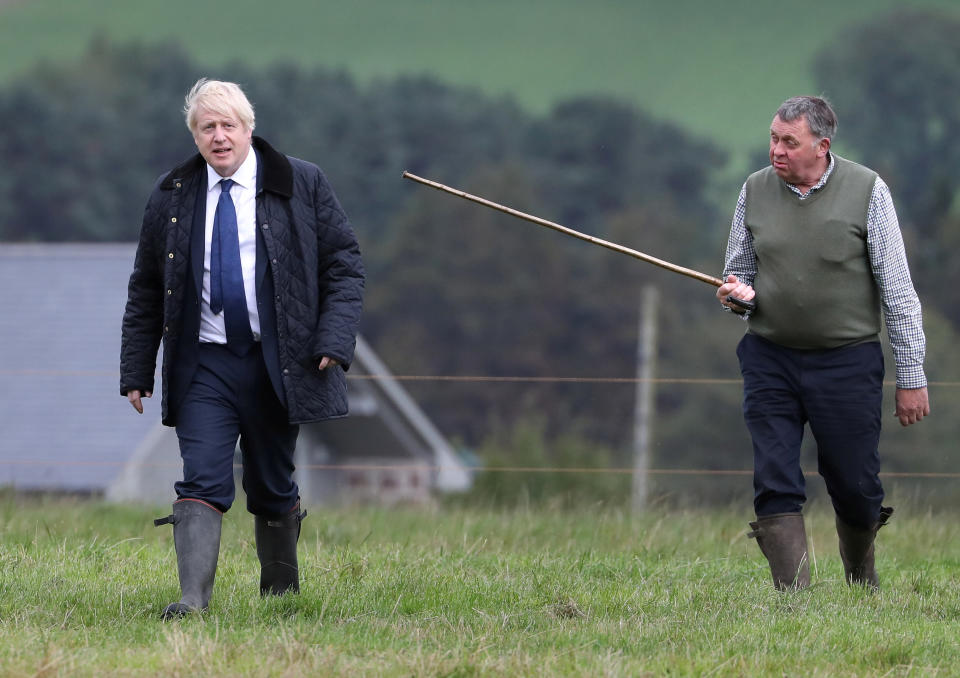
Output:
(471, 592)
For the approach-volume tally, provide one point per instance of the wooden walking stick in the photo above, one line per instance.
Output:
(689, 272)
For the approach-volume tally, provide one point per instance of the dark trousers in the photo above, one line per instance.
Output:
(231, 397)
(839, 393)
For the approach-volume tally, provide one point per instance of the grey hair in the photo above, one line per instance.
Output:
(820, 116)
(222, 98)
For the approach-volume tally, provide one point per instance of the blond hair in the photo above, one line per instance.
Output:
(222, 98)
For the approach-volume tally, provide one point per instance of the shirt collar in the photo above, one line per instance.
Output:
(245, 176)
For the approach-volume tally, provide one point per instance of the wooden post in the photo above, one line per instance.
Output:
(644, 409)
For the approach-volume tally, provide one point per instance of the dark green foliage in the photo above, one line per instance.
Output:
(597, 156)
(586, 479)
(896, 80)
(84, 142)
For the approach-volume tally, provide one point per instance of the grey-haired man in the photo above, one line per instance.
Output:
(816, 244)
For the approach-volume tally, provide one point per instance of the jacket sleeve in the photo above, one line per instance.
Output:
(142, 328)
(341, 278)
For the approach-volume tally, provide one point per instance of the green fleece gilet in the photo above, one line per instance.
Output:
(815, 288)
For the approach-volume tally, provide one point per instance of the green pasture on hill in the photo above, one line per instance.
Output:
(715, 68)
(473, 592)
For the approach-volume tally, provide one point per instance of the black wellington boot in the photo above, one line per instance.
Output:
(196, 536)
(857, 550)
(783, 540)
(277, 551)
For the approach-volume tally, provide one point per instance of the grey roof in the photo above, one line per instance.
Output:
(64, 423)
(63, 420)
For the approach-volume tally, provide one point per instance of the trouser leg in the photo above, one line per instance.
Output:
(774, 416)
(843, 397)
(268, 444)
(208, 426)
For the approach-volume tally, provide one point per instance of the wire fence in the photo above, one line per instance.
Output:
(466, 378)
(497, 469)
(430, 468)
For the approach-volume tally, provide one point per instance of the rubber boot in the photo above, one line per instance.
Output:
(277, 550)
(783, 540)
(196, 537)
(857, 550)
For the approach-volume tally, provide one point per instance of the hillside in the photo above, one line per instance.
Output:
(718, 69)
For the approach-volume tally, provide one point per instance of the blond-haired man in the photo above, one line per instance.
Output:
(249, 274)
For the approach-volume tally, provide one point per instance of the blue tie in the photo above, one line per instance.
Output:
(226, 275)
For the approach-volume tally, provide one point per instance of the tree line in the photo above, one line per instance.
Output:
(456, 289)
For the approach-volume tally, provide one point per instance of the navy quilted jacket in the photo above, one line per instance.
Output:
(317, 274)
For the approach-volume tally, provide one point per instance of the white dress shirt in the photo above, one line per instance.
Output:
(244, 196)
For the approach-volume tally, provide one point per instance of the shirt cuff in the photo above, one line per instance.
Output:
(911, 377)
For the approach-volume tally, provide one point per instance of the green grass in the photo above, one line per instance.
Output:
(433, 592)
(716, 68)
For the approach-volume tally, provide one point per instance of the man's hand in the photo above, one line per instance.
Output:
(912, 405)
(736, 289)
(134, 398)
(326, 362)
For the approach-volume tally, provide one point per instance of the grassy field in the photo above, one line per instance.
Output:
(430, 592)
(716, 68)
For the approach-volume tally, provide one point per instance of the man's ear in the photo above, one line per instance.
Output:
(823, 147)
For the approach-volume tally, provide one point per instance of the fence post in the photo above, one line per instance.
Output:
(644, 406)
